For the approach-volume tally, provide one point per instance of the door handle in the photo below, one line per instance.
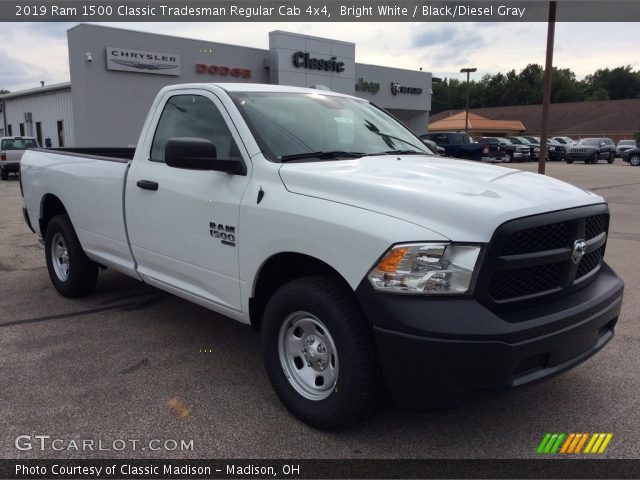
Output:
(147, 185)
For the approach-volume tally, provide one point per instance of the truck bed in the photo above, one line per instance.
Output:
(113, 154)
(90, 183)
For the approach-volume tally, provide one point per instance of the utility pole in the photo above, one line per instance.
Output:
(546, 97)
(466, 115)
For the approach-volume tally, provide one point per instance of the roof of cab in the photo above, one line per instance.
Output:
(256, 87)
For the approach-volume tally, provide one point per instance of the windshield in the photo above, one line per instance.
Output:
(18, 144)
(296, 126)
(627, 142)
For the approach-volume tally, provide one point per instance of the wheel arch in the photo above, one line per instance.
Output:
(279, 269)
(50, 206)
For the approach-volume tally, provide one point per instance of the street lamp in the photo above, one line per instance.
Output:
(466, 115)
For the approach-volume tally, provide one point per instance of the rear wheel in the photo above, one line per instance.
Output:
(635, 159)
(4, 175)
(71, 271)
(319, 353)
(568, 160)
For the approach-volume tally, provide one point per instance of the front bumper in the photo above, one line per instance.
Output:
(441, 347)
(581, 156)
(11, 167)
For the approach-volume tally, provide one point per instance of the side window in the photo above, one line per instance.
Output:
(193, 116)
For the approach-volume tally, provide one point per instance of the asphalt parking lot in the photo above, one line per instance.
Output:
(131, 362)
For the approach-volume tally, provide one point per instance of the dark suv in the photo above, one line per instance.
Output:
(590, 150)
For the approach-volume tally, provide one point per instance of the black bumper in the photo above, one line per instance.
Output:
(13, 167)
(440, 348)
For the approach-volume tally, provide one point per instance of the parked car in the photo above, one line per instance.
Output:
(624, 145)
(366, 263)
(11, 151)
(461, 145)
(512, 152)
(632, 157)
(534, 150)
(590, 150)
(555, 150)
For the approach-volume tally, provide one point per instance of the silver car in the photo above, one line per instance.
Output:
(624, 145)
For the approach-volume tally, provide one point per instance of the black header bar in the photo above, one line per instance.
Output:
(314, 11)
(315, 469)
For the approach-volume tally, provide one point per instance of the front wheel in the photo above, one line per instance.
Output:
(635, 160)
(568, 160)
(611, 158)
(319, 353)
(71, 271)
(507, 157)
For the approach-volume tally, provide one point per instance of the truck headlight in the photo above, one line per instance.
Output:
(426, 268)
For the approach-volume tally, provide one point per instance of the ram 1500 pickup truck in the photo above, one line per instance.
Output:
(364, 261)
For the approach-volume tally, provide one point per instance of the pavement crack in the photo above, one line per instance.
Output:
(122, 307)
(607, 187)
(142, 363)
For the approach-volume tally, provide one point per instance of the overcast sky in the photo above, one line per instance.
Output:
(31, 52)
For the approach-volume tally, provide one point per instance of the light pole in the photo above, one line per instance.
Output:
(466, 115)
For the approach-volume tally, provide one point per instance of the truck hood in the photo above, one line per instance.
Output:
(461, 200)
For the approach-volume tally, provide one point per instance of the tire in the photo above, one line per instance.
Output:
(71, 271)
(634, 159)
(568, 160)
(4, 175)
(507, 158)
(319, 317)
(611, 158)
(595, 158)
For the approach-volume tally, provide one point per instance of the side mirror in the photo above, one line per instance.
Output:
(199, 154)
(602, 144)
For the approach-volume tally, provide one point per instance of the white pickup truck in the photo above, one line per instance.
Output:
(365, 261)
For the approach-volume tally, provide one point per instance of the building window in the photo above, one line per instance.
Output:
(60, 134)
(39, 133)
(9, 130)
(22, 129)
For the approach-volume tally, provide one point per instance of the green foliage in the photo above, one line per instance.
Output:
(637, 136)
(525, 88)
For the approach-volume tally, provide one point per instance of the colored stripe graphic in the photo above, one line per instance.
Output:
(551, 443)
(598, 443)
(572, 444)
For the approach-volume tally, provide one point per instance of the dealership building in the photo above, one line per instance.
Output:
(115, 74)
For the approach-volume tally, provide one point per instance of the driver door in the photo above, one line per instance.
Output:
(183, 224)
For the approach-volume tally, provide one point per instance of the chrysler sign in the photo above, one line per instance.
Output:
(143, 62)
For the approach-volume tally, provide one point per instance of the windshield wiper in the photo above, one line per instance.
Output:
(400, 152)
(328, 155)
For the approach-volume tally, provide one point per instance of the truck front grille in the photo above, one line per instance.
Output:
(532, 258)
